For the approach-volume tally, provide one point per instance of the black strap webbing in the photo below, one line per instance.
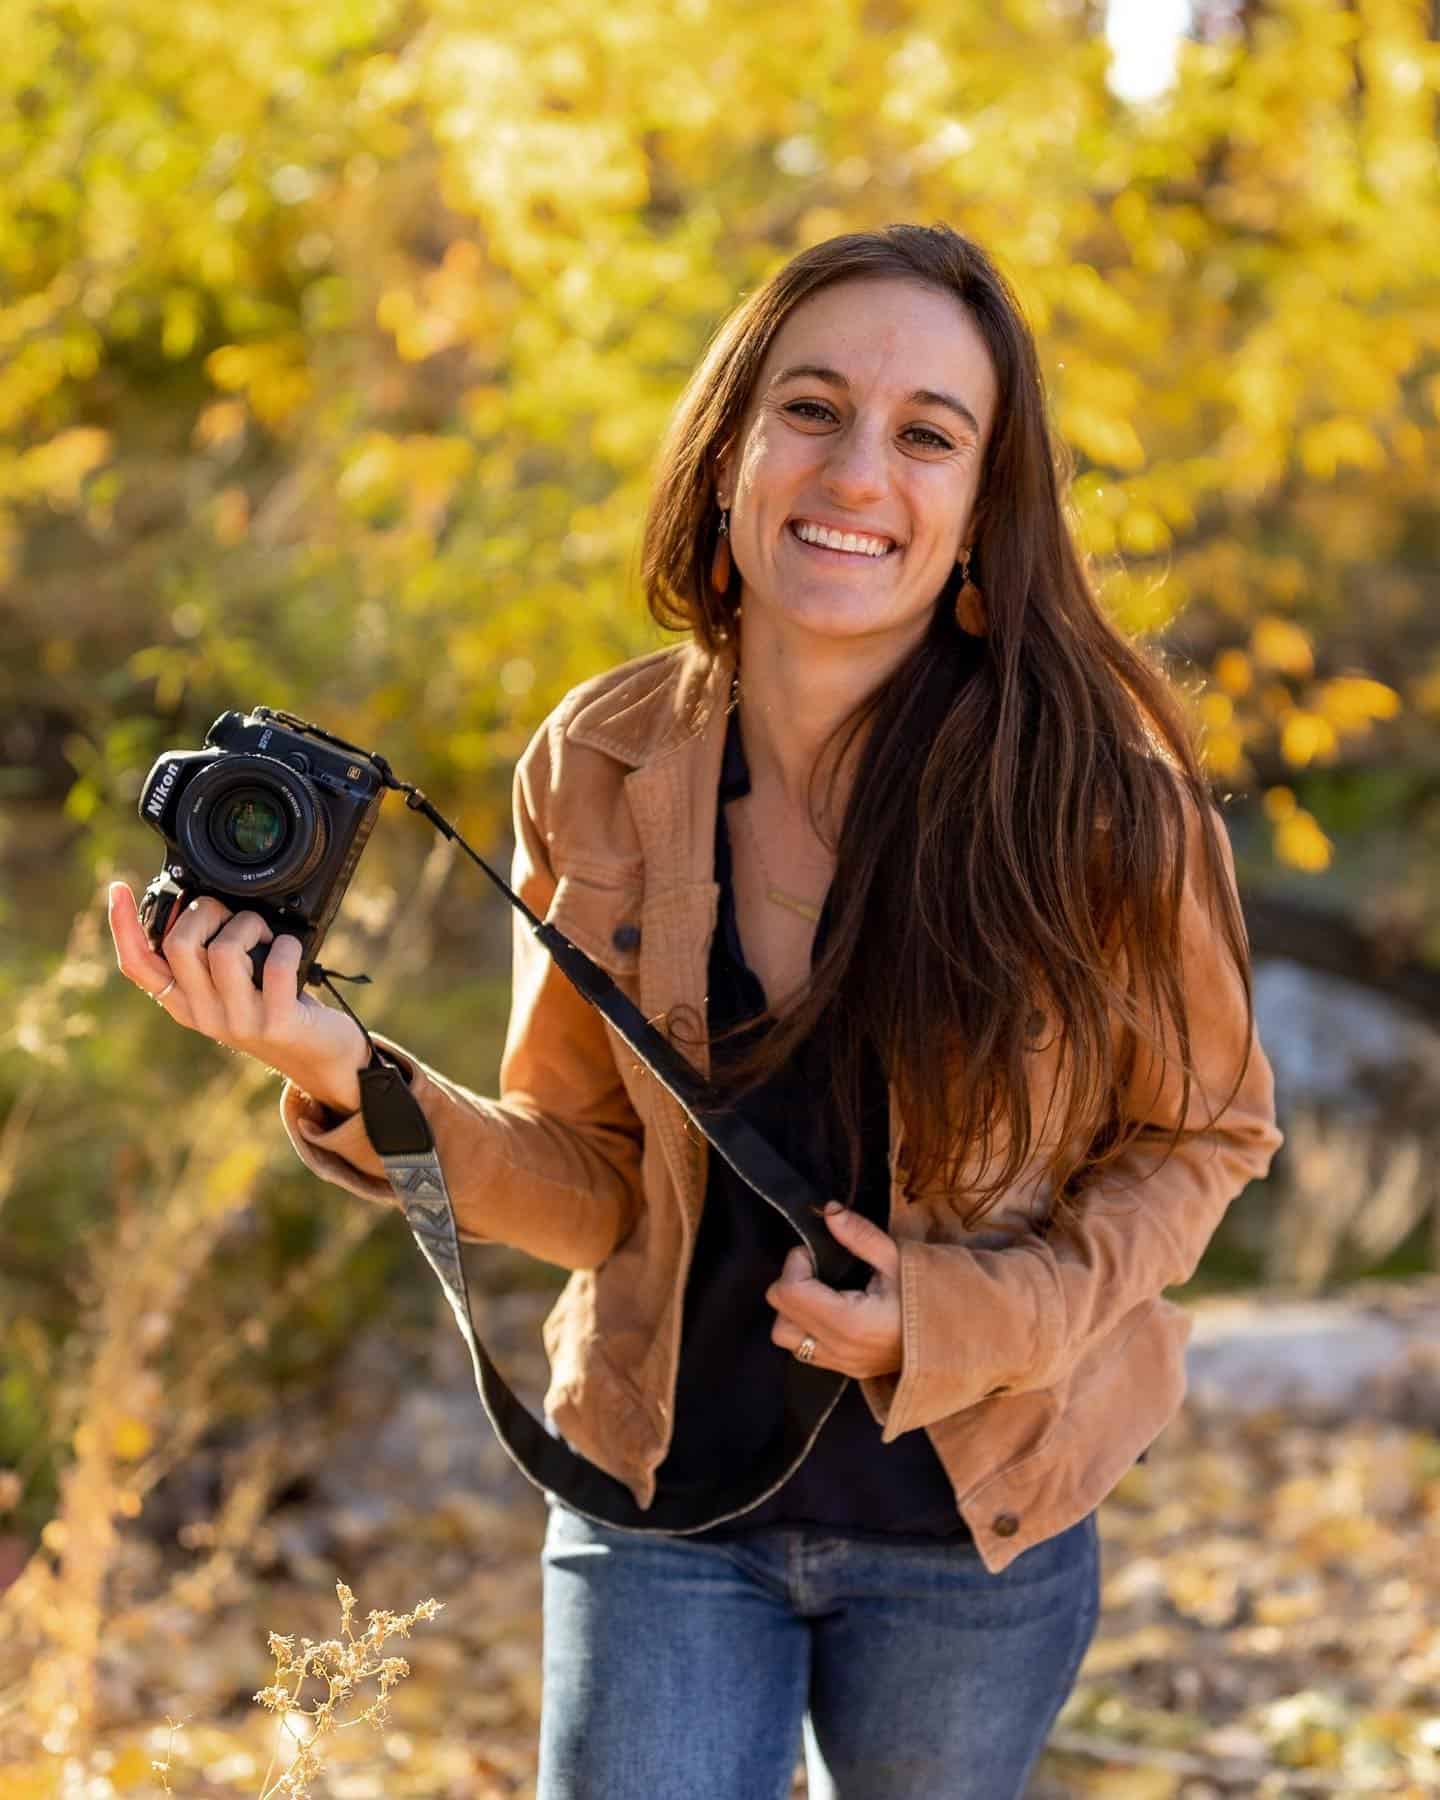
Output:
(400, 1133)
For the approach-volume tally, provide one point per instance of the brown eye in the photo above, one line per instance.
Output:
(928, 439)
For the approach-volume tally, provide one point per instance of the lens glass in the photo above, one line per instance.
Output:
(248, 825)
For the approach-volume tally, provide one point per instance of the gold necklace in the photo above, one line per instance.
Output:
(796, 903)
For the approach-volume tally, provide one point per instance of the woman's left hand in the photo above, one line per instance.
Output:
(856, 1332)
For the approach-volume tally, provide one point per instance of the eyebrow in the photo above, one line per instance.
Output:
(921, 396)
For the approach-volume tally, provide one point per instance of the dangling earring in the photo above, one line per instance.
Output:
(969, 602)
(720, 562)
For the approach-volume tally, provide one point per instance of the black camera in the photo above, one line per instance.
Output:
(269, 817)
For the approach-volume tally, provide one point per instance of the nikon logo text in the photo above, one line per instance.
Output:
(155, 805)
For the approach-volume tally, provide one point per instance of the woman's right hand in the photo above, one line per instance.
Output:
(206, 952)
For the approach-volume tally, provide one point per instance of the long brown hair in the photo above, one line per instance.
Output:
(1012, 855)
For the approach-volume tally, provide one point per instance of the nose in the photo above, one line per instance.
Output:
(855, 469)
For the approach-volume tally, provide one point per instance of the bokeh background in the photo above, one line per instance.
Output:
(336, 339)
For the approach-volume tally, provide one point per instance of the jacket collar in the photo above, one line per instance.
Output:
(664, 720)
(640, 718)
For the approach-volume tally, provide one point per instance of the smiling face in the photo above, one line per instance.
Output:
(855, 470)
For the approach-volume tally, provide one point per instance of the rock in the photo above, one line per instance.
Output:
(1374, 1349)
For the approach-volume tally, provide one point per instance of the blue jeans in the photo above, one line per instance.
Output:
(677, 1670)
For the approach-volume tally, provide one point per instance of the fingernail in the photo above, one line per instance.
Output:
(832, 1207)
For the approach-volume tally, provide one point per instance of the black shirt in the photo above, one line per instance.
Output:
(728, 1392)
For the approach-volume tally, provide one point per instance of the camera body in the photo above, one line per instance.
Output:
(269, 818)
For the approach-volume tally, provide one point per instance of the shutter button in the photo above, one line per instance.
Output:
(1005, 1525)
(626, 937)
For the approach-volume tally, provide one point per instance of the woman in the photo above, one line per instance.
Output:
(926, 878)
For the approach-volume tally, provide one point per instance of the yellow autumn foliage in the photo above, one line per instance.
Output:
(1282, 645)
(1353, 703)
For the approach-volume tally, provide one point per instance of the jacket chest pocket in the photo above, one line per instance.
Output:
(601, 916)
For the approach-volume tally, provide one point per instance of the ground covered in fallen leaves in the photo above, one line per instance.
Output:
(1271, 1625)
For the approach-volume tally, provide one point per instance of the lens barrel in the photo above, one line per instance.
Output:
(252, 825)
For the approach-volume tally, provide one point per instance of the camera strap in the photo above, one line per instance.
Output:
(400, 1133)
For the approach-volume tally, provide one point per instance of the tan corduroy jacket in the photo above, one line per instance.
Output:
(1041, 1368)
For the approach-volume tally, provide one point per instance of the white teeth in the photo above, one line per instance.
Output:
(841, 540)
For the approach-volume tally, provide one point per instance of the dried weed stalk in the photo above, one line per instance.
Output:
(342, 1665)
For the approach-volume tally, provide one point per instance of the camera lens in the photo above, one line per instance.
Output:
(247, 825)
(252, 825)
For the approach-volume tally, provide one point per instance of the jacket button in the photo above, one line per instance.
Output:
(626, 937)
(1005, 1525)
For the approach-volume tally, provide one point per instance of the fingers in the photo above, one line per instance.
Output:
(279, 992)
(136, 960)
(803, 1297)
(186, 950)
(855, 1333)
(863, 1238)
(227, 955)
(811, 1306)
(207, 957)
(790, 1337)
(863, 1339)
(797, 1265)
(206, 952)
(797, 1291)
